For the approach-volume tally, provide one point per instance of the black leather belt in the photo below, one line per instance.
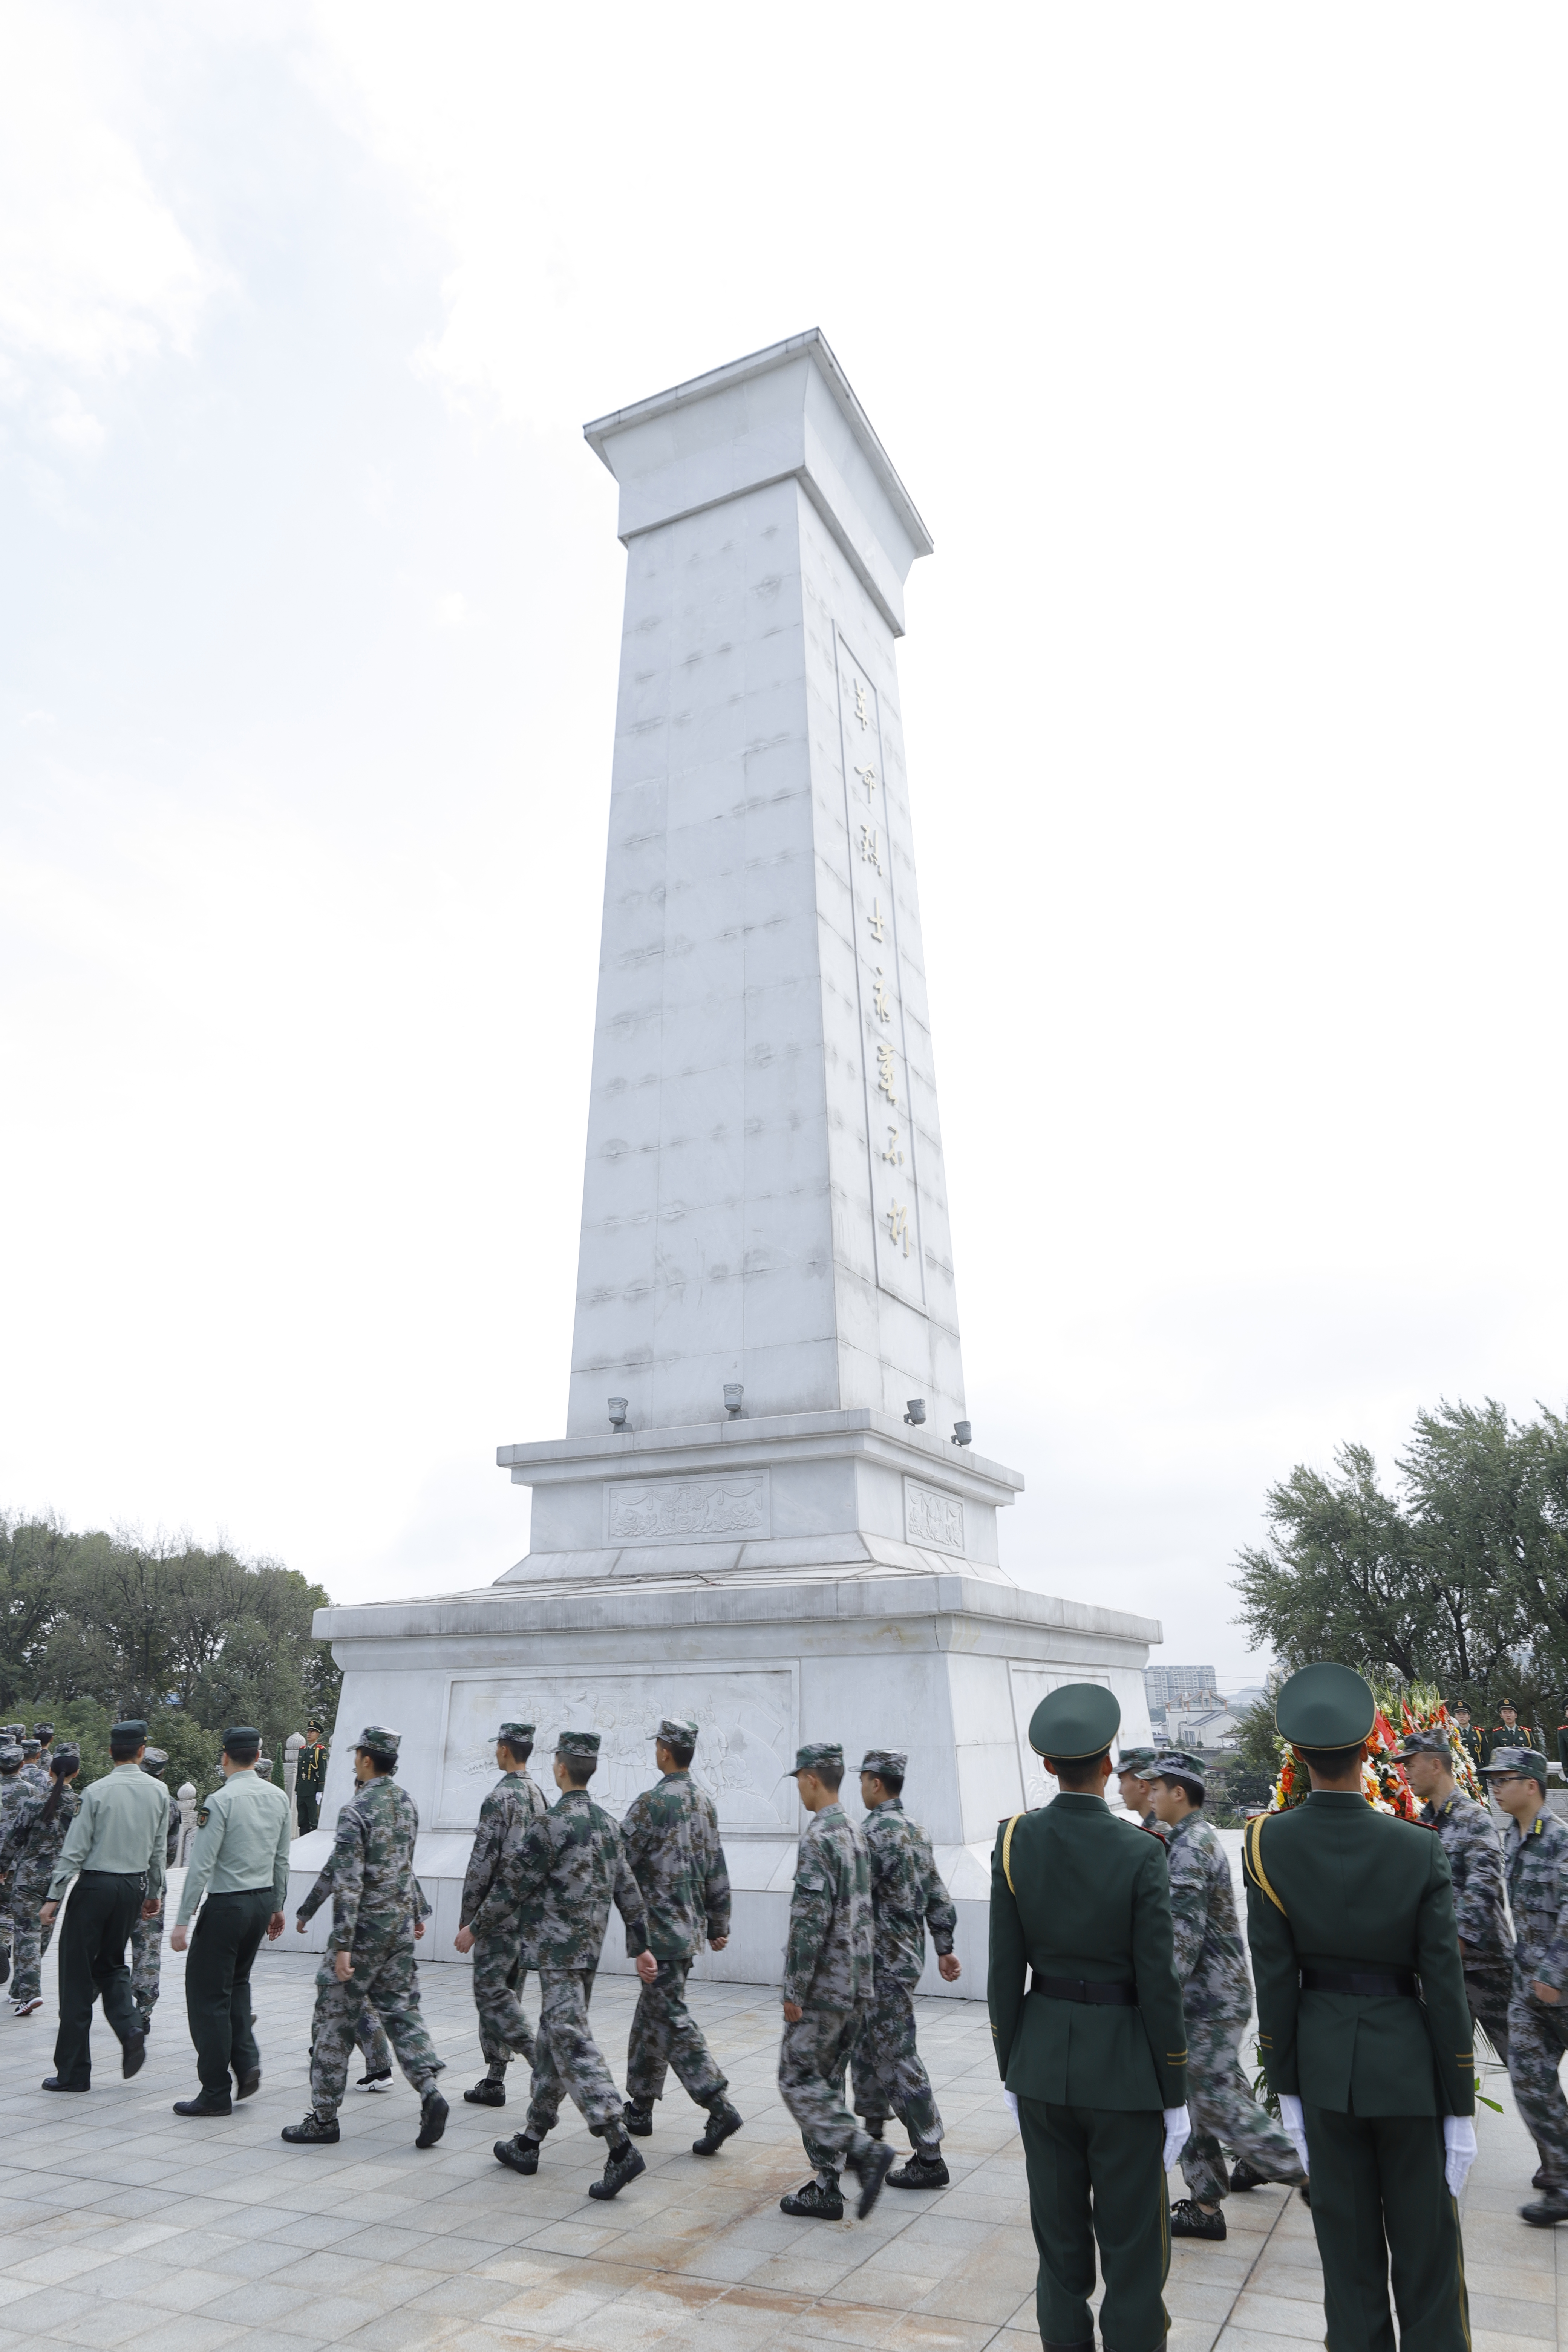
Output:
(1371, 1983)
(1109, 1996)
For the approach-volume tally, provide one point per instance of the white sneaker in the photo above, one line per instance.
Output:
(26, 2008)
(382, 2082)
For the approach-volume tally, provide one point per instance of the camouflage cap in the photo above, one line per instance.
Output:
(510, 1733)
(30, 1747)
(13, 1730)
(677, 1731)
(377, 1735)
(584, 1743)
(264, 1766)
(66, 1757)
(1180, 1769)
(1424, 1743)
(44, 1730)
(818, 1751)
(10, 1758)
(1137, 1759)
(155, 1760)
(886, 1763)
(1528, 1761)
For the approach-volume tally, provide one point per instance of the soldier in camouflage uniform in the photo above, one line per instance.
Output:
(147, 1935)
(33, 1839)
(1536, 1854)
(378, 1910)
(501, 1963)
(671, 1836)
(1216, 2001)
(1138, 1790)
(1475, 1858)
(907, 1897)
(13, 1791)
(558, 1877)
(828, 1983)
(368, 2031)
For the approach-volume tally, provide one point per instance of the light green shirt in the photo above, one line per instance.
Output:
(241, 1843)
(123, 1825)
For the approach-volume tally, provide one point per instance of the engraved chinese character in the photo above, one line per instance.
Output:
(885, 1073)
(876, 921)
(879, 997)
(870, 852)
(868, 776)
(898, 1225)
(861, 713)
(892, 1155)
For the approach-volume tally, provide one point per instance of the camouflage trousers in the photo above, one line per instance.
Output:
(1537, 2040)
(146, 1963)
(30, 1938)
(812, 2060)
(889, 2074)
(504, 2033)
(666, 2035)
(1221, 2108)
(386, 1982)
(1488, 1991)
(567, 2063)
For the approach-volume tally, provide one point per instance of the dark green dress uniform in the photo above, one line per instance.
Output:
(310, 1778)
(1086, 2013)
(1346, 1910)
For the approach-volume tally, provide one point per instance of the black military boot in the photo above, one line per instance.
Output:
(815, 2202)
(206, 2103)
(870, 2170)
(1243, 2176)
(520, 2153)
(639, 2118)
(925, 2170)
(1188, 2219)
(623, 2163)
(316, 2131)
(432, 2114)
(1552, 2206)
(486, 2093)
(723, 2122)
(5, 1968)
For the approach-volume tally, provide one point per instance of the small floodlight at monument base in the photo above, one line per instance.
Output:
(617, 1413)
(962, 1433)
(915, 1411)
(733, 1393)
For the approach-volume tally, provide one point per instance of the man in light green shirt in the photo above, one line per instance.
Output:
(240, 1855)
(116, 1844)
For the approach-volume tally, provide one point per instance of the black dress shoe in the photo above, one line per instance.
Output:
(132, 2054)
(206, 2103)
(248, 2085)
(53, 2083)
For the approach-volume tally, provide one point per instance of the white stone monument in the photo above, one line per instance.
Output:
(765, 1513)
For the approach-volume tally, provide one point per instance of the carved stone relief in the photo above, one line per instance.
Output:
(932, 1517)
(686, 1511)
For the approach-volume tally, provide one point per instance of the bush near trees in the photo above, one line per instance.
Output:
(95, 1627)
(1457, 1574)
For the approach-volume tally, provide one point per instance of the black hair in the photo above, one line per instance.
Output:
(519, 1751)
(830, 1775)
(1191, 1789)
(1333, 1763)
(383, 1760)
(242, 1751)
(125, 1751)
(681, 1752)
(1077, 1773)
(892, 1781)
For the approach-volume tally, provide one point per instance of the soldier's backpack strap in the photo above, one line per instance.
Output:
(1254, 1852)
(1007, 1853)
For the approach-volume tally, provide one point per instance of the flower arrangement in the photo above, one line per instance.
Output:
(1417, 1707)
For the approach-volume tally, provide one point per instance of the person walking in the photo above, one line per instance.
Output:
(1138, 1790)
(1475, 1861)
(1364, 2028)
(671, 1834)
(369, 2033)
(378, 1913)
(239, 1858)
(907, 1897)
(147, 1934)
(1537, 1864)
(114, 1850)
(558, 1877)
(501, 1964)
(827, 1982)
(1216, 2001)
(13, 1791)
(310, 1778)
(1085, 2017)
(31, 1847)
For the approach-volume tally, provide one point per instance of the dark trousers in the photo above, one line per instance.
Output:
(1489, 1991)
(93, 1936)
(1095, 2174)
(224, 1943)
(307, 1804)
(1381, 2209)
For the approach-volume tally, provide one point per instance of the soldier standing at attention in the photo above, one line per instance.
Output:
(1216, 2001)
(1346, 1908)
(117, 1842)
(310, 1778)
(378, 1911)
(240, 1856)
(1537, 1859)
(827, 1980)
(1475, 1863)
(558, 1877)
(671, 1835)
(33, 1842)
(13, 1788)
(1091, 2045)
(906, 1896)
(147, 1935)
(500, 1963)
(1138, 1790)
(1469, 1738)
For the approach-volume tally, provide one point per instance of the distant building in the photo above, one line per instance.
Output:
(1180, 1686)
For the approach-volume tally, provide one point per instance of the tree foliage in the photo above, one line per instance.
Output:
(1456, 1576)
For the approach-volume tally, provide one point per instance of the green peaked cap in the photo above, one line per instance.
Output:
(1325, 1706)
(1080, 1719)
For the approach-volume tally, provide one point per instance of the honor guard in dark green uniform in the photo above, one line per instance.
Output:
(311, 1777)
(1086, 2014)
(239, 1855)
(1364, 2029)
(117, 1844)
(1470, 1739)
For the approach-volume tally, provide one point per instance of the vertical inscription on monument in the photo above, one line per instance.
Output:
(889, 1126)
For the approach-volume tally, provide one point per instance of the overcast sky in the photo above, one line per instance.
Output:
(1222, 349)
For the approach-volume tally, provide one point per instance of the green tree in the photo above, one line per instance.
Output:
(1336, 1577)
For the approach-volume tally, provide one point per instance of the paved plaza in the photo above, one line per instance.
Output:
(127, 2227)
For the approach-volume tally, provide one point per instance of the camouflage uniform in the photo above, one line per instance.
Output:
(147, 1935)
(1216, 2001)
(35, 1846)
(500, 1962)
(375, 1900)
(671, 1834)
(906, 1896)
(828, 1963)
(557, 1878)
(1537, 2031)
(374, 2047)
(1486, 1939)
(13, 1790)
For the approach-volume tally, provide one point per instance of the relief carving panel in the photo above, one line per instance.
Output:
(686, 1511)
(932, 1517)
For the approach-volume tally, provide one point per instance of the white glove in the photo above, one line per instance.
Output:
(1459, 2139)
(1012, 2099)
(1178, 2131)
(1295, 2123)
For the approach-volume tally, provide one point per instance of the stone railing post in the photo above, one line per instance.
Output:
(291, 1748)
(186, 1798)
